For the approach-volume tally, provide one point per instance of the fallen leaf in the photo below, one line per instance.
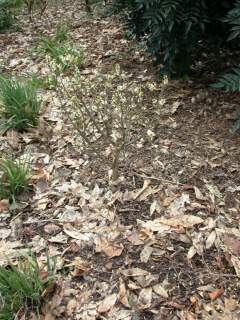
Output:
(108, 303)
(5, 233)
(159, 224)
(158, 289)
(216, 294)
(51, 228)
(80, 267)
(71, 306)
(59, 238)
(145, 298)
(76, 234)
(123, 294)
(210, 239)
(111, 250)
(236, 264)
(146, 253)
(134, 272)
(191, 252)
(178, 205)
(232, 242)
(4, 205)
(186, 221)
(11, 250)
(199, 194)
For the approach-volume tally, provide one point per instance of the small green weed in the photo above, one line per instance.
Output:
(48, 82)
(19, 104)
(14, 177)
(62, 55)
(21, 289)
(62, 34)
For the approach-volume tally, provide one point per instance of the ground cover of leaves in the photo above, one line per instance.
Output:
(162, 243)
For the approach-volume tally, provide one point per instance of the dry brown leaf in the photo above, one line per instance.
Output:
(13, 139)
(71, 306)
(114, 250)
(80, 267)
(216, 294)
(236, 264)
(186, 221)
(199, 194)
(158, 289)
(232, 242)
(178, 205)
(123, 294)
(49, 316)
(59, 238)
(11, 250)
(51, 228)
(211, 239)
(111, 250)
(134, 272)
(191, 252)
(145, 298)
(5, 233)
(108, 303)
(78, 235)
(134, 238)
(4, 205)
(146, 253)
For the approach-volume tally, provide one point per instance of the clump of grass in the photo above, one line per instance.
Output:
(14, 176)
(63, 56)
(21, 289)
(19, 104)
(47, 82)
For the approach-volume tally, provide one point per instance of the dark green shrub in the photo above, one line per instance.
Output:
(175, 29)
(231, 81)
(7, 12)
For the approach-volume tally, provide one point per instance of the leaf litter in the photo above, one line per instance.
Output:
(161, 243)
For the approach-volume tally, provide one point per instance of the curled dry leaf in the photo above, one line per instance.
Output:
(111, 250)
(80, 267)
(123, 294)
(236, 264)
(108, 303)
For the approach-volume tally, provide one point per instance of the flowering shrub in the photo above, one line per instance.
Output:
(104, 109)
